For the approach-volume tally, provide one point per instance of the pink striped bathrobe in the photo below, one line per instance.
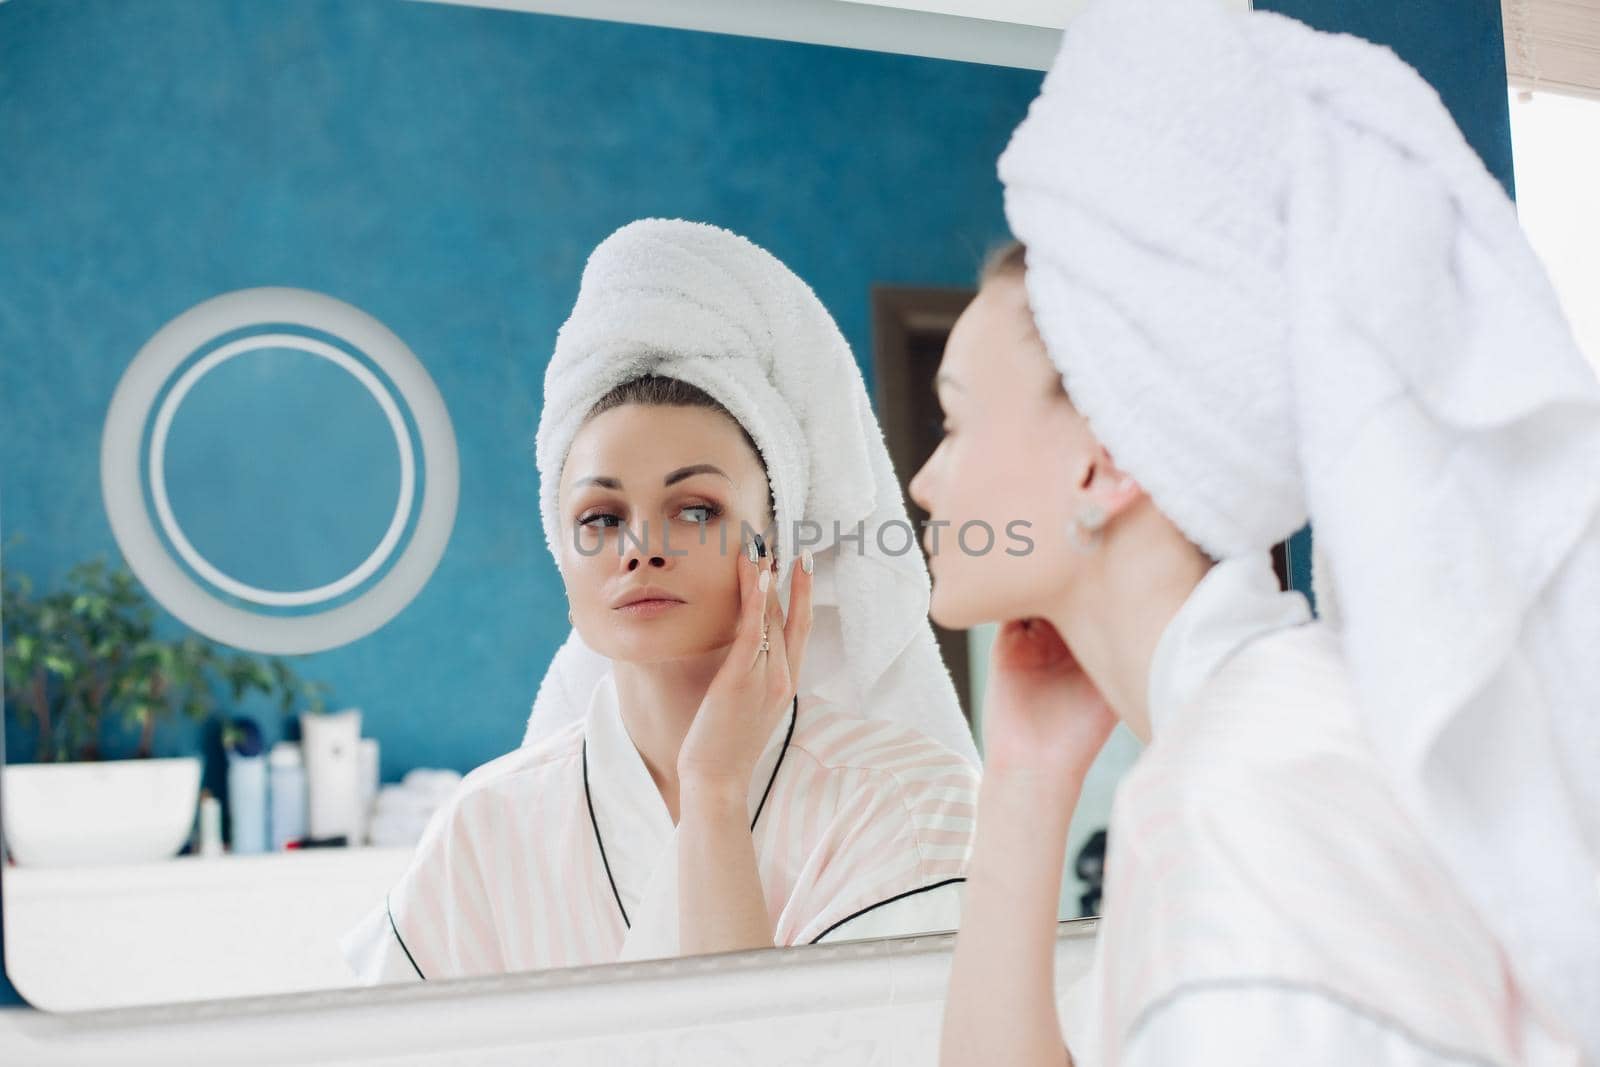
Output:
(1267, 901)
(562, 853)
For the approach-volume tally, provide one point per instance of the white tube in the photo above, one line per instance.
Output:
(210, 844)
(333, 773)
(368, 763)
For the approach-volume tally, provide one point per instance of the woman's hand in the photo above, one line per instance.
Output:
(1043, 724)
(1041, 713)
(751, 692)
(721, 904)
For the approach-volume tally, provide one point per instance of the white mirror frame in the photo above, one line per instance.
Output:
(855, 1002)
(1004, 33)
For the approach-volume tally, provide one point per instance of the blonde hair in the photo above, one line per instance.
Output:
(1005, 261)
(1010, 260)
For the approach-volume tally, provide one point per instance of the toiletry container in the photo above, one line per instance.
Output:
(210, 830)
(368, 762)
(247, 802)
(287, 787)
(331, 742)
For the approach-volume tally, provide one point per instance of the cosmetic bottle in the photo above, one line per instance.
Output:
(247, 788)
(331, 742)
(286, 785)
(210, 830)
(369, 764)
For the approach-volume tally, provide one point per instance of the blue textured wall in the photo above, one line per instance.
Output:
(1457, 45)
(448, 170)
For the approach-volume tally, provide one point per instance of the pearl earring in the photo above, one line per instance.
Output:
(1085, 531)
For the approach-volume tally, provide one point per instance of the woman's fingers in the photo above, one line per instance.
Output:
(774, 605)
(797, 630)
(761, 612)
(774, 608)
(752, 608)
(776, 659)
(769, 598)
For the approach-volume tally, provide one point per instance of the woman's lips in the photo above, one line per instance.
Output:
(649, 609)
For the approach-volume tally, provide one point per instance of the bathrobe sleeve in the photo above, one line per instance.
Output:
(437, 920)
(375, 953)
(1077, 1010)
(927, 911)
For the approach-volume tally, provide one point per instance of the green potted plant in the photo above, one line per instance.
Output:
(85, 655)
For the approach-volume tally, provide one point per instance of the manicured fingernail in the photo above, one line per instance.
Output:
(761, 546)
(806, 561)
(750, 550)
(764, 581)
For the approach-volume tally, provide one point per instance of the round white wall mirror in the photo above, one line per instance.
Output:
(358, 421)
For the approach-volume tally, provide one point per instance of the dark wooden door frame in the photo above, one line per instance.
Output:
(909, 327)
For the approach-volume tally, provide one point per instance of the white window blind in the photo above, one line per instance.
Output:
(1553, 45)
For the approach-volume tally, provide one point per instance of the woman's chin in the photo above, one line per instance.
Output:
(950, 610)
(959, 607)
(636, 644)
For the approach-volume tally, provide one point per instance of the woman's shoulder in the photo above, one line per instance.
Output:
(1262, 814)
(1281, 714)
(1268, 768)
(1302, 665)
(837, 739)
(527, 767)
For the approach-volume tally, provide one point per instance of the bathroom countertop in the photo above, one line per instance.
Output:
(189, 928)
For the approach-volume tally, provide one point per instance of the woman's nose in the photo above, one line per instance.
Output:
(644, 547)
(918, 487)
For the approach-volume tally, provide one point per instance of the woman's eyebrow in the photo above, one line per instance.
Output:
(607, 482)
(697, 468)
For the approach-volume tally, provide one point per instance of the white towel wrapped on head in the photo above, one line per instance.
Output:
(693, 302)
(1279, 283)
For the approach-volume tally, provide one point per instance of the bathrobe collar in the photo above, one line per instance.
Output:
(631, 821)
(1236, 602)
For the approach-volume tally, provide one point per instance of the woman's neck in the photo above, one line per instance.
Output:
(1119, 606)
(658, 702)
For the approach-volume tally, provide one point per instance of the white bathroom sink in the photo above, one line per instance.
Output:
(116, 811)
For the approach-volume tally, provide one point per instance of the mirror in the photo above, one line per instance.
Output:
(278, 315)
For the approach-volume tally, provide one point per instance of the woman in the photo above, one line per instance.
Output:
(1266, 279)
(732, 777)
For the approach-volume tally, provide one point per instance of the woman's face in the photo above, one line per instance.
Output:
(654, 499)
(1015, 456)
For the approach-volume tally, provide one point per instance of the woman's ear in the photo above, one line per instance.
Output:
(1111, 489)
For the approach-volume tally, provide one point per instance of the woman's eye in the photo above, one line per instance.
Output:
(701, 513)
(599, 520)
